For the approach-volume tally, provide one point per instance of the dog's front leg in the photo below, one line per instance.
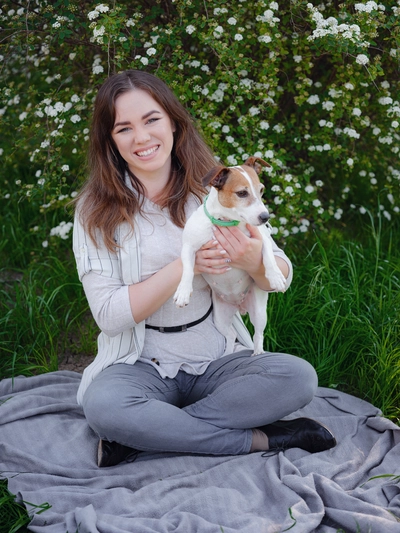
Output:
(185, 287)
(272, 271)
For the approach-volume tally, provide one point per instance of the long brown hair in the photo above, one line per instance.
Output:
(106, 201)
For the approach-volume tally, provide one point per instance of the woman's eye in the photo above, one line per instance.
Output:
(123, 130)
(242, 194)
(151, 120)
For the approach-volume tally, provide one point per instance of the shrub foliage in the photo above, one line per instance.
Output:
(313, 89)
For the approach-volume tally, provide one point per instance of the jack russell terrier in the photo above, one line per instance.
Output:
(234, 200)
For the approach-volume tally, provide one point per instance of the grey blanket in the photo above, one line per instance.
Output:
(47, 452)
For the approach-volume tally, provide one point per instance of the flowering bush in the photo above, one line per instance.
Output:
(313, 89)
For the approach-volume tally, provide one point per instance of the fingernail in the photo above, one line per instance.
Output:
(227, 268)
(223, 251)
(215, 243)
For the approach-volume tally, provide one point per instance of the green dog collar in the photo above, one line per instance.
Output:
(217, 221)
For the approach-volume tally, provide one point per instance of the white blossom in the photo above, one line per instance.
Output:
(297, 59)
(264, 125)
(313, 99)
(75, 119)
(190, 29)
(356, 111)
(385, 100)
(362, 59)
(328, 105)
(264, 38)
(351, 133)
(62, 230)
(367, 8)
(65, 168)
(350, 162)
(97, 69)
(238, 37)
(232, 21)
(151, 51)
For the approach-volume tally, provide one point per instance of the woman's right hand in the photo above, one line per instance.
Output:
(211, 259)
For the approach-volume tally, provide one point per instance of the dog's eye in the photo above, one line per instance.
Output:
(242, 194)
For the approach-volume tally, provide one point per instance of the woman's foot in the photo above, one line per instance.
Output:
(112, 453)
(303, 433)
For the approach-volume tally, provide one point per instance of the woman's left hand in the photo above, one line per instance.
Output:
(243, 251)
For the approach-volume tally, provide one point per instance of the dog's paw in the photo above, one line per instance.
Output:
(277, 280)
(182, 296)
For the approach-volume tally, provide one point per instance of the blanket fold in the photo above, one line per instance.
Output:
(47, 452)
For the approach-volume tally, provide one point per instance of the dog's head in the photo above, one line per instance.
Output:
(240, 190)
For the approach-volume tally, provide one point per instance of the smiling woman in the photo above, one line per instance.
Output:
(164, 378)
(143, 135)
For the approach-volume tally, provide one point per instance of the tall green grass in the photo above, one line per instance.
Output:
(342, 313)
(43, 311)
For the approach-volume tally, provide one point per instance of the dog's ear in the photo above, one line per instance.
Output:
(216, 177)
(256, 163)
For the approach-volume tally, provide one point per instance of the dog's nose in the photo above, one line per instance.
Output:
(263, 217)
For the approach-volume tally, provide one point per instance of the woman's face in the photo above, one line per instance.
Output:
(143, 135)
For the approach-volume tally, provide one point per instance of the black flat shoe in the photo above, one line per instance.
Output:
(303, 433)
(112, 453)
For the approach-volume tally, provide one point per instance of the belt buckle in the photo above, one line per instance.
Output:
(184, 327)
(161, 329)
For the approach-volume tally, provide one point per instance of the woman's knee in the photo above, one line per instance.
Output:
(296, 375)
(104, 407)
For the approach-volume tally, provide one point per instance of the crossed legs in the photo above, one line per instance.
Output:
(208, 414)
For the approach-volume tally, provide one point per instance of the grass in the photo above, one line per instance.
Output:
(43, 311)
(14, 515)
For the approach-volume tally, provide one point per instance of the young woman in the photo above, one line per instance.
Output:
(161, 380)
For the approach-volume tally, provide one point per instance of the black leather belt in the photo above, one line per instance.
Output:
(184, 327)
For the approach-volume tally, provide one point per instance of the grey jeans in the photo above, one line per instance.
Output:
(208, 414)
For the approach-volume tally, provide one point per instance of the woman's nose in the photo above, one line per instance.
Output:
(141, 135)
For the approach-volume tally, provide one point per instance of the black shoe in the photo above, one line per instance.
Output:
(112, 453)
(303, 433)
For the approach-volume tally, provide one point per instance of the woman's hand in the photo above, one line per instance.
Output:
(211, 259)
(244, 252)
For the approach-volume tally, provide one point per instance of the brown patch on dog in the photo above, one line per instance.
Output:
(236, 183)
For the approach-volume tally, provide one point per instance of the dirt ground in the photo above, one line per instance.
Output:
(75, 363)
